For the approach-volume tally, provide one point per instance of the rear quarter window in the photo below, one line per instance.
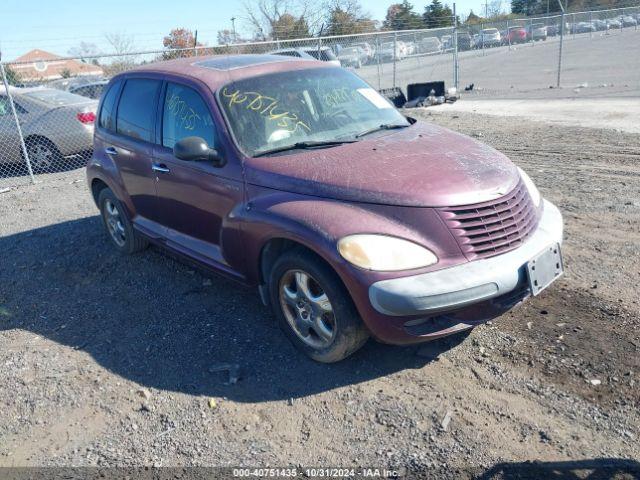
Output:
(107, 111)
(136, 110)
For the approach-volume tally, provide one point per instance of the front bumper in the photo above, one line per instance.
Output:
(469, 283)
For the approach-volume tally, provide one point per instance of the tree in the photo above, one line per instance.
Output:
(472, 18)
(346, 17)
(122, 45)
(264, 17)
(84, 50)
(226, 37)
(400, 16)
(13, 77)
(436, 15)
(288, 27)
(180, 38)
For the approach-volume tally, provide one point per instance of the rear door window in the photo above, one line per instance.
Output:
(108, 110)
(136, 110)
(185, 114)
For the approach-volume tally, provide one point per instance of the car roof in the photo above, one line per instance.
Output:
(218, 70)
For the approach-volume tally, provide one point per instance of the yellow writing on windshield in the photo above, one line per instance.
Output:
(268, 107)
(183, 112)
(338, 96)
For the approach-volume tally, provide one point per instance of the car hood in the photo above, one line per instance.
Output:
(423, 165)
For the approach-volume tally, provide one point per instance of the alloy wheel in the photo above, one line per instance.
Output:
(307, 309)
(114, 223)
(41, 156)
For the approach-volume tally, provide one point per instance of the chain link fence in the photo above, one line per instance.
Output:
(46, 124)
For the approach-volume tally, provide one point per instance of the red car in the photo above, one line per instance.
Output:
(297, 177)
(515, 35)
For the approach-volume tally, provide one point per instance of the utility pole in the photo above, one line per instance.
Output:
(195, 43)
(455, 47)
(561, 41)
(233, 29)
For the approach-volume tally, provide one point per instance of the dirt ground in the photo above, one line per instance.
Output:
(114, 361)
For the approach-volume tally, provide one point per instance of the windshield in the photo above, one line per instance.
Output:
(55, 97)
(315, 105)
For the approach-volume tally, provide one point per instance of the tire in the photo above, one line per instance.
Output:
(332, 325)
(121, 232)
(44, 156)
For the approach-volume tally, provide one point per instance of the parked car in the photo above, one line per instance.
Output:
(628, 21)
(476, 41)
(582, 27)
(368, 49)
(68, 84)
(599, 25)
(389, 51)
(90, 90)
(490, 37)
(258, 175)
(429, 46)
(352, 57)
(411, 48)
(324, 54)
(464, 41)
(446, 41)
(613, 23)
(55, 124)
(537, 32)
(515, 35)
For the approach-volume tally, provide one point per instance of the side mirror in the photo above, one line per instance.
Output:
(192, 149)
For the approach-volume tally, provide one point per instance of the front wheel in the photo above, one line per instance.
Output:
(313, 308)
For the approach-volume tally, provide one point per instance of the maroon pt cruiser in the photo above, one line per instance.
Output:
(299, 178)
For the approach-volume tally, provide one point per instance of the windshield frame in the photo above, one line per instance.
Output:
(228, 125)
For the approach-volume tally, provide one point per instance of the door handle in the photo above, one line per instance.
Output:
(162, 168)
(110, 151)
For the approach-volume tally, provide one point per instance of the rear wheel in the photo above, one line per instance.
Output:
(43, 154)
(313, 308)
(121, 232)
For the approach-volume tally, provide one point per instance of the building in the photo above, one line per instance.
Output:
(38, 65)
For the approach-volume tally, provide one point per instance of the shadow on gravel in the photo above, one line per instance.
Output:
(162, 324)
(593, 469)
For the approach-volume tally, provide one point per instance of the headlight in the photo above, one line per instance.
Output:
(533, 190)
(383, 253)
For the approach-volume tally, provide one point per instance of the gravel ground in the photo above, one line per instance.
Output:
(120, 361)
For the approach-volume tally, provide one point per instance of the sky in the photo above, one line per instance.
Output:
(58, 25)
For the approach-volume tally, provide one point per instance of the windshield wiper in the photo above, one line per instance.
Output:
(304, 146)
(384, 126)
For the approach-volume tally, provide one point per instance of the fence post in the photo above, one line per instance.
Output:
(508, 34)
(378, 61)
(395, 56)
(482, 36)
(560, 49)
(590, 24)
(455, 48)
(573, 24)
(17, 120)
(531, 30)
